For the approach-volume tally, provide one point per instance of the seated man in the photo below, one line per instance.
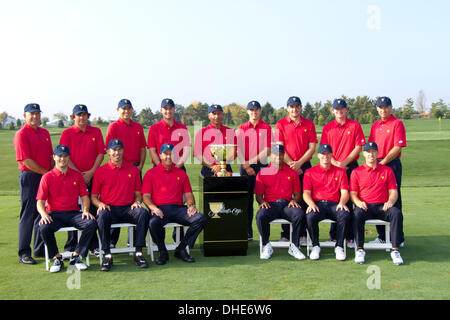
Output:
(373, 190)
(163, 189)
(116, 194)
(60, 188)
(274, 188)
(325, 191)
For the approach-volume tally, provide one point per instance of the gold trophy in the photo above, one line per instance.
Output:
(215, 209)
(223, 153)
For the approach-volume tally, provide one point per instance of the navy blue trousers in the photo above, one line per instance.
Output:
(396, 166)
(279, 210)
(328, 210)
(285, 228)
(63, 219)
(251, 191)
(123, 214)
(349, 236)
(375, 211)
(29, 216)
(178, 214)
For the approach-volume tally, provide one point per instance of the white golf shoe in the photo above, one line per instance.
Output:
(266, 252)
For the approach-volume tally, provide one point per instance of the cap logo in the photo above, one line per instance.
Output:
(117, 141)
(295, 99)
(371, 144)
(126, 101)
(167, 100)
(63, 148)
(35, 106)
(253, 103)
(382, 99)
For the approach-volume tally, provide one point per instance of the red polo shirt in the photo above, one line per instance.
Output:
(116, 185)
(253, 139)
(62, 190)
(34, 144)
(325, 184)
(295, 137)
(276, 183)
(343, 138)
(132, 136)
(177, 135)
(84, 146)
(211, 135)
(166, 186)
(388, 134)
(373, 185)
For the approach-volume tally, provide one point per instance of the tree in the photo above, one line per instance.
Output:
(11, 126)
(3, 117)
(44, 121)
(179, 110)
(60, 116)
(308, 111)
(408, 109)
(60, 123)
(267, 113)
(439, 109)
(18, 123)
(421, 101)
(146, 117)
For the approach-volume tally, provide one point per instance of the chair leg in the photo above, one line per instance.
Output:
(46, 257)
(388, 237)
(150, 246)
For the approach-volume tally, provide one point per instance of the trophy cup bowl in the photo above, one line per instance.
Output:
(215, 209)
(223, 153)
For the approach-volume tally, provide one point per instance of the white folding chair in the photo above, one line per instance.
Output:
(380, 246)
(66, 254)
(323, 244)
(278, 244)
(130, 243)
(151, 247)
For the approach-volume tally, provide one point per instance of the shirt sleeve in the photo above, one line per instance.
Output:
(307, 183)
(142, 142)
(23, 150)
(344, 181)
(109, 134)
(259, 184)
(313, 134)
(101, 148)
(147, 186)
(96, 182)
(151, 143)
(83, 190)
(198, 143)
(392, 182)
(360, 140)
(279, 135)
(400, 135)
(324, 137)
(42, 193)
(137, 180)
(354, 182)
(186, 184)
(296, 187)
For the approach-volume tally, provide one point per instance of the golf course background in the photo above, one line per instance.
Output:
(425, 274)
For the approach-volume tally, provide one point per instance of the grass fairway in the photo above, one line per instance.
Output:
(425, 274)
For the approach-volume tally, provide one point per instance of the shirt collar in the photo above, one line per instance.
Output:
(341, 125)
(59, 173)
(322, 169)
(163, 169)
(292, 121)
(391, 118)
(121, 121)
(78, 130)
(370, 168)
(113, 166)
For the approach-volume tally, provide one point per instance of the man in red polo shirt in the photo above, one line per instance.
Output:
(116, 194)
(254, 139)
(214, 133)
(278, 192)
(163, 189)
(168, 130)
(298, 136)
(34, 156)
(346, 138)
(87, 152)
(131, 134)
(373, 190)
(390, 136)
(57, 203)
(325, 191)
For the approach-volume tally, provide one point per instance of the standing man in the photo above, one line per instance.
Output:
(298, 136)
(254, 139)
(34, 156)
(325, 191)
(373, 190)
(116, 194)
(131, 134)
(390, 135)
(278, 192)
(214, 133)
(57, 203)
(163, 190)
(346, 138)
(87, 152)
(168, 130)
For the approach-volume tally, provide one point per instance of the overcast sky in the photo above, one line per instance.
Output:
(61, 53)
